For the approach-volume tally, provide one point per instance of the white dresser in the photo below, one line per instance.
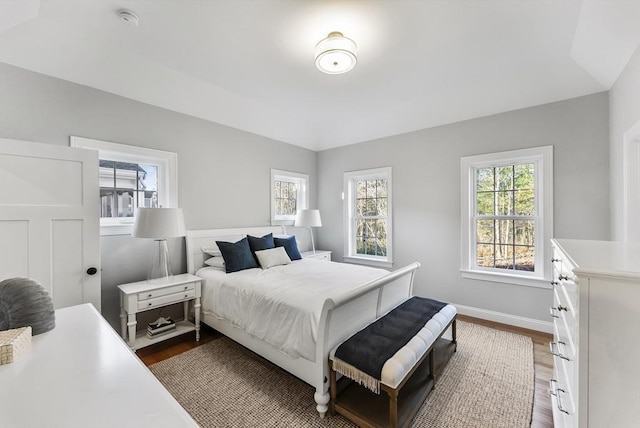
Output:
(596, 345)
(82, 374)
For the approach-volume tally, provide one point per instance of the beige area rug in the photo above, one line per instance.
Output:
(489, 382)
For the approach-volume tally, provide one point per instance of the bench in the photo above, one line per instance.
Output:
(407, 377)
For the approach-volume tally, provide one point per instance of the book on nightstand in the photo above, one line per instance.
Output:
(160, 326)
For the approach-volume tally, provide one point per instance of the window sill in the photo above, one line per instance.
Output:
(116, 229)
(368, 262)
(506, 279)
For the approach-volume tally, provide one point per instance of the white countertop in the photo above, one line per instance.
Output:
(82, 374)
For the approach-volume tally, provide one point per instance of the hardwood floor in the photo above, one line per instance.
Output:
(543, 362)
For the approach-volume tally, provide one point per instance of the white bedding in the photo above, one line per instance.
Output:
(281, 305)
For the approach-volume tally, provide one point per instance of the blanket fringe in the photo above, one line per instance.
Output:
(356, 375)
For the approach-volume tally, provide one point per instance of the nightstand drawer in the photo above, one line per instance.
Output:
(168, 299)
(323, 256)
(152, 294)
(318, 255)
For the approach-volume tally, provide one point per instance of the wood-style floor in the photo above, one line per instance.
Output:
(543, 361)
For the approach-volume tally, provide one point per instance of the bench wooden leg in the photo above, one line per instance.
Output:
(432, 366)
(453, 332)
(393, 409)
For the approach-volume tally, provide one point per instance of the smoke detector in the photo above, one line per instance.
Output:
(129, 18)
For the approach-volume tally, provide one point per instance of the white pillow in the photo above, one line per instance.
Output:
(215, 262)
(273, 257)
(215, 251)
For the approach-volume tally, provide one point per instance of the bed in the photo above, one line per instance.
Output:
(345, 299)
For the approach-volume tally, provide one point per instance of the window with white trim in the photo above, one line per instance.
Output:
(131, 177)
(289, 193)
(368, 218)
(507, 216)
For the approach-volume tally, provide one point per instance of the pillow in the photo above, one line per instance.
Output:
(237, 255)
(214, 252)
(272, 257)
(290, 246)
(263, 243)
(215, 262)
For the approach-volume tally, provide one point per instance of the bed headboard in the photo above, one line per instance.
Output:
(199, 239)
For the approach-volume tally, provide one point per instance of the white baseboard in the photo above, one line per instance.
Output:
(515, 320)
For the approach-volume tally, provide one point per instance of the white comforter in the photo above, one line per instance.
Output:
(281, 305)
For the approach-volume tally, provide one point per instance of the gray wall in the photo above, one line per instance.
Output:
(624, 112)
(426, 192)
(224, 178)
(223, 173)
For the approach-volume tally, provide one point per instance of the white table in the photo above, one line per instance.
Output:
(82, 374)
(143, 296)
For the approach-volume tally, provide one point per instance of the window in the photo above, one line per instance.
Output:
(131, 177)
(368, 217)
(507, 216)
(289, 193)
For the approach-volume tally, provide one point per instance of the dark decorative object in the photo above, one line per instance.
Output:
(25, 302)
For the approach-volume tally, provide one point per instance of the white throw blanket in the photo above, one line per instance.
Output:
(281, 305)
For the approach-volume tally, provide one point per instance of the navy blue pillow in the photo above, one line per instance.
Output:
(237, 255)
(290, 246)
(263, 243)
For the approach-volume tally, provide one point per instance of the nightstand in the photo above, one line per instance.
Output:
(319, 255)
(142, 296)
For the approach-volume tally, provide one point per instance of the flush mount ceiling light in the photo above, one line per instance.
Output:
(336, 54)
(129, 18)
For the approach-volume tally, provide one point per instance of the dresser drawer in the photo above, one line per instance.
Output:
(152, 294)
(564, 414)
(565, 323)
(167, 299)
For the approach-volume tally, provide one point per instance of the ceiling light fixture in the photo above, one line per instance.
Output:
(129, 18)
(336, 54)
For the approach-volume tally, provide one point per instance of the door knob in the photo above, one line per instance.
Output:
(92, 271)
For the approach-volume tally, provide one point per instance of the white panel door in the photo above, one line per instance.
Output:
(49, 224)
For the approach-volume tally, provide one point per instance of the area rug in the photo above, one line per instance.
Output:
(489, 382)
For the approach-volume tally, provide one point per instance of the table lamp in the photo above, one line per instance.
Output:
(159, 224)
(309, 218)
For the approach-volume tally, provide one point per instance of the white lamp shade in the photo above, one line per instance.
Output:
(159, 223)
(308, 218)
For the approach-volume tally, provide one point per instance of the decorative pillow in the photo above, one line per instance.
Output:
(290, 246)
(237, 255)
(215, 262)
(263, 243)
(272, 257)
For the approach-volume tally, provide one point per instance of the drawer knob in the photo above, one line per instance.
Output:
(186, 287)
(150, 295)
(186, 295)
(554, 283)
(149, 304)
(563, 277)
(555, 260)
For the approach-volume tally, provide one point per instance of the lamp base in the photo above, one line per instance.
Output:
(160, 266)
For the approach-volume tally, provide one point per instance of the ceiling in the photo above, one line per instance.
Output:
(250, 65)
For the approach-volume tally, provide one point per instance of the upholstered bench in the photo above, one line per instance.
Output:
(406, 378)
